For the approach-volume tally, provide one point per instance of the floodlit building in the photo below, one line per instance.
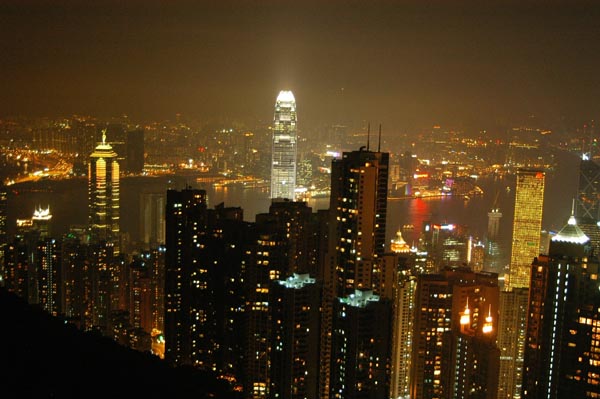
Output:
(562, 346)
(283, 164)
(527, 227)
(103, 194)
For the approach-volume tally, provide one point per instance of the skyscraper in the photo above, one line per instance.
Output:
(283, 159)
(587, 205)
(361, 346)
(527, 225)
(562, 346)
(359, 205)
(356, 237)
(493, 250)
(103, 194)
(135, 151)
(454, 350)
(186, 212)
(283, 248)
(295, 318)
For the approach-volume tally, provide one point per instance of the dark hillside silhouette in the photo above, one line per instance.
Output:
(44, 357)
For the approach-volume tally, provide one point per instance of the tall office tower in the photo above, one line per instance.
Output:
(527, 225)
(477, 255)
(152, 218)
(454, 350)
(134, 159)
(402, 335)
(562, 346)
(41, 222)
(118, 140)
(285, 245)
(283, 159)
(360, 346)
(103, 195)
(49, 273)
(587, 205)
(294, 355)
(185, 217)
(511, 341)
(493, 250)
(356, 237)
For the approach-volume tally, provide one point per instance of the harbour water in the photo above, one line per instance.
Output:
(68, 202)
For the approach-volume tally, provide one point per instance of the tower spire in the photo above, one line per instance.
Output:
(379, 142)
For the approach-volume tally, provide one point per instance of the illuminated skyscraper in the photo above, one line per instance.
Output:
(562, 346)
(283, 165)
(402, 336)
(359, 205)
(527, 225)
(103, 194)
(587, 205)
(357, 226)
(455, 327)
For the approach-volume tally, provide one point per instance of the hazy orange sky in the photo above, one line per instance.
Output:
(400, 63)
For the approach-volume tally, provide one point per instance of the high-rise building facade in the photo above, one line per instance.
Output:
(493, 248)
(284, 150)
(454, 351)
(527, 225)
(360, 346)
(402, 336)
(587, 204)
(152, 218)
(358, 202)
(185, 215)
(135, 151)
(284, 246)
(356, 238)
(562, 346)
(295, 319)
(103, 195)
(527, 228)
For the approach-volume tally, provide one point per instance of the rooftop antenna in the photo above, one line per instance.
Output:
(573, 208)
(379, 143)
(368, 134)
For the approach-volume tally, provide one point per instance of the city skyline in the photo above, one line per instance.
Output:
(405, 64)
(282, 248)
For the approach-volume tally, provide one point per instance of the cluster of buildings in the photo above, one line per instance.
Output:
(303, 304)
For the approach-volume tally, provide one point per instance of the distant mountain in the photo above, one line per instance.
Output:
(44, 357)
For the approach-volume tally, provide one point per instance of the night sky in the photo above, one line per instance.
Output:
(406, 64)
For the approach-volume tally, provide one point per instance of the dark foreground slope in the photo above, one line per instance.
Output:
(42, 357)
